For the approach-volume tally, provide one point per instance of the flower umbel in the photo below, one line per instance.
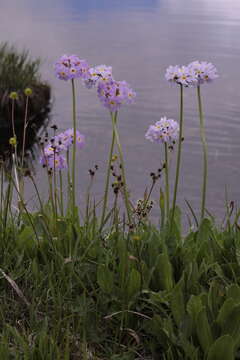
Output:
(204, 72)
(163, 131)
(97, 74)
(113, 94)
(181, 75)
(55, 161)
(71, 67)
(52, 153)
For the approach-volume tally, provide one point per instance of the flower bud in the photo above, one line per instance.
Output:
(114, 158)
(13, 95)
(13, 141)
(28, 91)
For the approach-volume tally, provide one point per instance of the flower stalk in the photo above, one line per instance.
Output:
(126, 197)
(74, 117)
(105, 198)
(178, 154)
(166, 178)
(204, 146)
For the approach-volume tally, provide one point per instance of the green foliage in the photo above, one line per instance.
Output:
(20, 75)
(75, 293)
(17, 71)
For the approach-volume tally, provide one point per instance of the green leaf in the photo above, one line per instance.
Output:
(134, 283)
(234, 293)
(194, 306)
(205, 230)
(105, 279)
(231, 325)
(191, 352)
(225, 311)
(162, 207)
(159, 329)
(26, 239)
(177, 302)
(215, 298)
(222, 349)
(203, 330)
(164, 272)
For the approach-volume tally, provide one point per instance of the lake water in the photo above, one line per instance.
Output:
(139, 39)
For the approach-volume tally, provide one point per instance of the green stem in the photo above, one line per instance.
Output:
(61, 193)
(166, 178)
(13, 126)
(178, 155)
(105, 199)
(204, 145)
(22, 189)
(55, 185)
(127, 204)
(37, 192)
(24, 132)
(69, 179)
(74, 143)
(2, 197)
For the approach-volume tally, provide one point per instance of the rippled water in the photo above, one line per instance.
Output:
(140, 38)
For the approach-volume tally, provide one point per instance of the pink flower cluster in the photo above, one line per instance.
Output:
(52, 154)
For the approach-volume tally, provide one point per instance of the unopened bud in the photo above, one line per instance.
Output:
(13, 95)
(13, 141)
(28, 91)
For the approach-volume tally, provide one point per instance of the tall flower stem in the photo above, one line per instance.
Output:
(105, 198)
(204, 145)
(24, 131)
(61, 193)
(23, 147)
(69, 179)
(74, 116)
(127, 203)
(178, 154)
(166, 178)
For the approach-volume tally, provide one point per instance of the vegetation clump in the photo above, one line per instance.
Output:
(17, 74)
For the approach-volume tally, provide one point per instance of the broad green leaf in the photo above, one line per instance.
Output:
(177, 302)
(191, 352)
(194, 306)
(134, 283)
(105, 279)
(205, 230)
(215, 297)
(225, 311)
(222, 349)
(164, 272)
(234, 292)
(203, 330)
(231, 325)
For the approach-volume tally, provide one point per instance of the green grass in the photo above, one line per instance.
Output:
(141, 295)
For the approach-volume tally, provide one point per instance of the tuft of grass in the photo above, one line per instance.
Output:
(77, 295)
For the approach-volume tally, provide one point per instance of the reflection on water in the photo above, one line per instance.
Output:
(140, 38)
